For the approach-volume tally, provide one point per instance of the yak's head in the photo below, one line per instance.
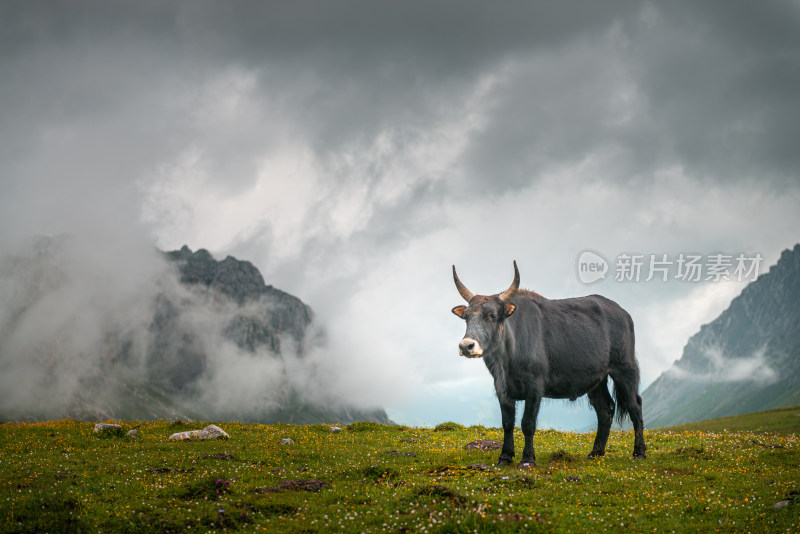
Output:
(485, 316)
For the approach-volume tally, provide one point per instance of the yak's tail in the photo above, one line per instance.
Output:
(626, 391)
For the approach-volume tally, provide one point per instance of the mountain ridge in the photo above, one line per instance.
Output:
(745, 360)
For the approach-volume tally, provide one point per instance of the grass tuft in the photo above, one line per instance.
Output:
(448, 426)
(367, 426)
(379, 473)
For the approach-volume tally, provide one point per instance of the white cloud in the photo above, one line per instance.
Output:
(185, 203)
(724, 368)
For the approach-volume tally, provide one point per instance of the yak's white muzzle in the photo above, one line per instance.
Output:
(470, 348)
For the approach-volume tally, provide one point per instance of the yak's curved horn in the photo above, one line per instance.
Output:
(509, 293)
(462, 289)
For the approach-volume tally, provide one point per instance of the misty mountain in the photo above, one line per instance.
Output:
(746, 360)
(94, 332)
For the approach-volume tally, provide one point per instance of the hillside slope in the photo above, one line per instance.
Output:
(778, 420)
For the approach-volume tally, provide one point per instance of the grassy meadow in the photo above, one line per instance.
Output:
(59, 476)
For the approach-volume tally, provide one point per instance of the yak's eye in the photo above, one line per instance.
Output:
(492, 316)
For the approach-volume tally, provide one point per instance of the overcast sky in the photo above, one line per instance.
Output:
(353, 151)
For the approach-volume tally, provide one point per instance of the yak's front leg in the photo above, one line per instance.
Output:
(529, 428)
(507, 411)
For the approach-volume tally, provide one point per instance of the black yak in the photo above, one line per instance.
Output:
(561, 349)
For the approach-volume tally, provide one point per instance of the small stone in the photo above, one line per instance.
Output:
(214, 432)
(184, 436)
(287, 441)
(134, 433)
(106, 427)
(209, 432)
(335, 429)
(781, 504)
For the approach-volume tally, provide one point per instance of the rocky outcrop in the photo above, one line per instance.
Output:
(241, 282)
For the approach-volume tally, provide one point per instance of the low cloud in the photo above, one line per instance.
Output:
(64, 301)
(723, 368)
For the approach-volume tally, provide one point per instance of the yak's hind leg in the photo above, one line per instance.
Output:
(603, 406)
(626, 385)
(529, 429)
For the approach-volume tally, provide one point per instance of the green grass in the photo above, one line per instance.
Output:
(780, 420)
(60, 477)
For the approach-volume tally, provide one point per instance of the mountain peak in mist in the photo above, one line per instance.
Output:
(242, 282)
(237, 279)
(746, 360)
(112, 332)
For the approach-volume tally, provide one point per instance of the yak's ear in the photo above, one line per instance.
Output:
(459, 310)
(510, 309)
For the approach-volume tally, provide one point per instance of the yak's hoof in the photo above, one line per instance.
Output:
(596, 454)
(503, 461)
(527, 465)
(637, 455)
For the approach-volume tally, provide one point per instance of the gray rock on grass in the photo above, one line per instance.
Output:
(209, 432)
(782, 504)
